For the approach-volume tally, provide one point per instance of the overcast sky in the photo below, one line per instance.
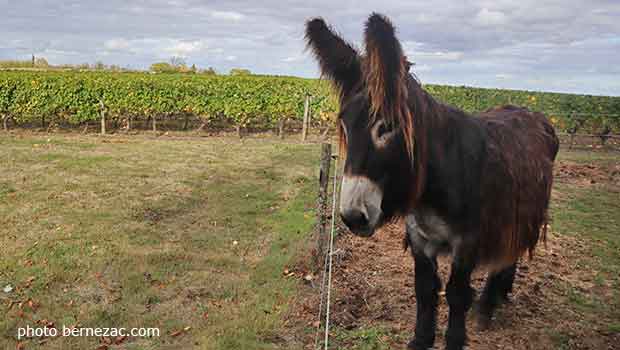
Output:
(553, 45)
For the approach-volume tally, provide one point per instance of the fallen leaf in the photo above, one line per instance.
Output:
(8, 288)
(120, 339)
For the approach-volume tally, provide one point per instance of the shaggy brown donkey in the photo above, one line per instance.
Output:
(476, 188)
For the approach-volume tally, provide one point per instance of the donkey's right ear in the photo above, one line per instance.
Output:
(339, 61)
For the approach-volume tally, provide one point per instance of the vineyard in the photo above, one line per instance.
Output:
(74, 98)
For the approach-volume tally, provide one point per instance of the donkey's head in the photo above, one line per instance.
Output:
(375, 121)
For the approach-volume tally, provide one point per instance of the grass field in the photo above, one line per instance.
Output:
(191, 236)
(144, 232)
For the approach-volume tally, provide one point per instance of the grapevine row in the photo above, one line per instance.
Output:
(258, 101)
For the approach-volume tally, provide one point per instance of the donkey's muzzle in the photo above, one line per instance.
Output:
(356, 220)
(360, 203)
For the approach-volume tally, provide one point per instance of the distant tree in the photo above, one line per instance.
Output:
(15, 64)
(183, 69)
(41, 62)
(209, 71)
(240, 71)
(177, 61)
(193, 69)
(163, 67)
(99, 66)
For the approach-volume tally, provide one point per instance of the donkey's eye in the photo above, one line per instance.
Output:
(383, 130)
(381, 133)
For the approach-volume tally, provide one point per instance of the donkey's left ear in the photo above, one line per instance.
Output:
(386, 66)
(338, 59)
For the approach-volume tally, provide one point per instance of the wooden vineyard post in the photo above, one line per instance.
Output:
(281, 124)
(154, 124)
(186, 122)
(5, 122)
(604, 135)
(102, 111)
(304, 127)
(323, 202)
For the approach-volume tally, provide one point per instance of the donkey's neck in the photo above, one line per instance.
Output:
(432, 114)
(438, 128)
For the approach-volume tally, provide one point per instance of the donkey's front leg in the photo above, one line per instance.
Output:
(460, 296)
(427, 285)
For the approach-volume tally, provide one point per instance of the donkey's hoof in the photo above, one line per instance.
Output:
(457, 346)
(416, 344)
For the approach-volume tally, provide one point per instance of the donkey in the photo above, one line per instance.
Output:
(476, 188)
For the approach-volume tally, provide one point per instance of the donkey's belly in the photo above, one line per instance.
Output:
(430, 234)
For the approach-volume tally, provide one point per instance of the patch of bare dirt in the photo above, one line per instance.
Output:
(586, 174)
(373, 286)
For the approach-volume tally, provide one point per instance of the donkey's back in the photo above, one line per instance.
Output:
(516, 182)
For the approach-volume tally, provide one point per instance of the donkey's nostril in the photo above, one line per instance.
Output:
(354, 219)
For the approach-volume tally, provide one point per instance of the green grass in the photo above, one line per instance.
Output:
(146, 232)
(587, 156)
(561, 340)
(592, 214)
(142, 232)
(366, 338)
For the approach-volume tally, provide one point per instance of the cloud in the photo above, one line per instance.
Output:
(441, 55)
(486, 17)
(293, 58)
(422, 68)
(503, 76)
(186, 48)
(478, 42)
(116, 44)
(227, 15)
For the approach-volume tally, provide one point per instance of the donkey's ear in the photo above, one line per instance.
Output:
(338, 60)
(386, 66)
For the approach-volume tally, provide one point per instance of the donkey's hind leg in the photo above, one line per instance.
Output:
(495, 292)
